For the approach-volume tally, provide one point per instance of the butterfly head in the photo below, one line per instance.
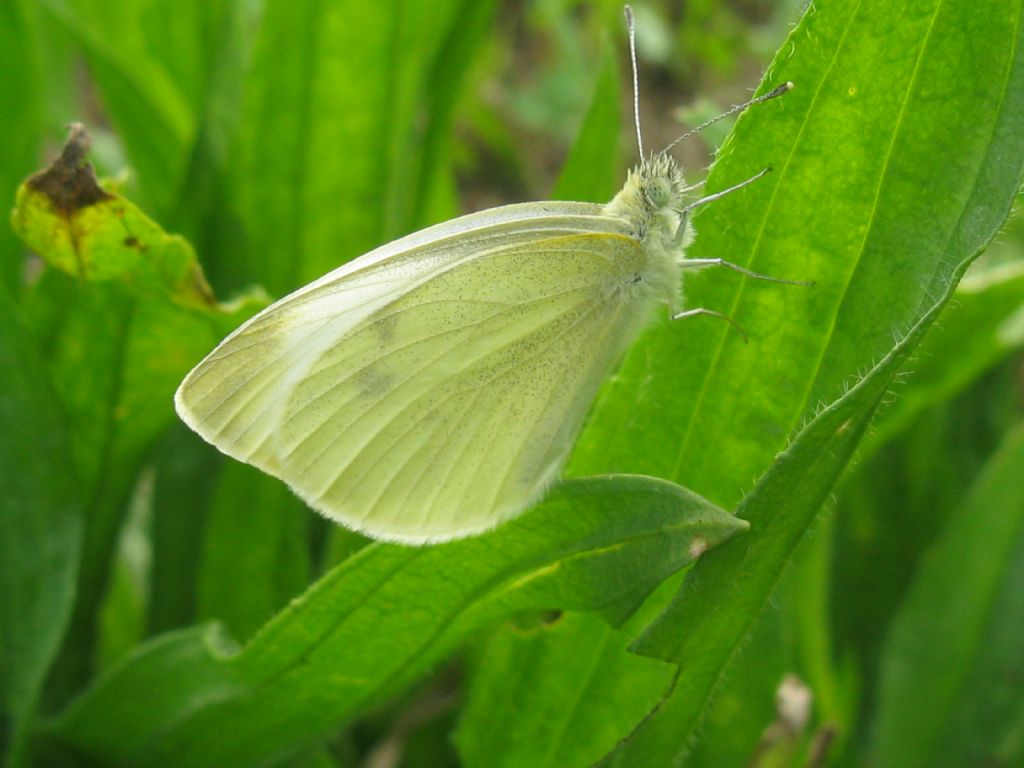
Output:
(652, 199)
(660, 184)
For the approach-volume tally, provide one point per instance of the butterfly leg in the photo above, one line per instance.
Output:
(684, 220)
(711, 313)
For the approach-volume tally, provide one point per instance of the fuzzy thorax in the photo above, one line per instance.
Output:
(652, 202)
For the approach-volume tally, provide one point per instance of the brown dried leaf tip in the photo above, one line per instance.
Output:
(70, 182)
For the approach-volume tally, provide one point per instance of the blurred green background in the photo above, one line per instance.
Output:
(281, 139)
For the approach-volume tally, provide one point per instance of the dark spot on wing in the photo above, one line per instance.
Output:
(384, 325)
(373, 383)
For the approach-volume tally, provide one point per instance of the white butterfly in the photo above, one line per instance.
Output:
(434, 387)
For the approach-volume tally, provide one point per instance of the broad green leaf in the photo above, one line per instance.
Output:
(857, 203)
(41, 518)
(537, 684)
(369, 627)
(706, 624)
(950, 692)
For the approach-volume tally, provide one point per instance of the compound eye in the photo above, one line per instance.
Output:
(658, 192)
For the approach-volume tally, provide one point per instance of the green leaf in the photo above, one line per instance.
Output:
(65, 216)
(852, 204)
(258, 530)
(21, 106)
(201, 209)
(41, 520)
(185, 477)
(369, 627)
(950, 691)
(706, 624)
(589, 172)
(982, 325)
(118, 339)
(538, 684)
(330, 140)
(140, 77)
(433, 198)
(857, 203)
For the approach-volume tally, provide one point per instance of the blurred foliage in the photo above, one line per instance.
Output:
(165, 606)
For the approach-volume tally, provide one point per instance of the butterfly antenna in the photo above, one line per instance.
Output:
(631, 28)
(772, 94)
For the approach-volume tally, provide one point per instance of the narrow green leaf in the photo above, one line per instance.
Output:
(369, 628)
(590, 172)
(185, 476)
(330, 136)
(22, 115)
(746, 707)
(256, 533)
(982, 325)
(809, 585)
(951, 692)
(146, 99)
(202, 210)
(42, 528)
(432, 199)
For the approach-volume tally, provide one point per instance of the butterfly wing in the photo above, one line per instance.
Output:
(434, 387)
